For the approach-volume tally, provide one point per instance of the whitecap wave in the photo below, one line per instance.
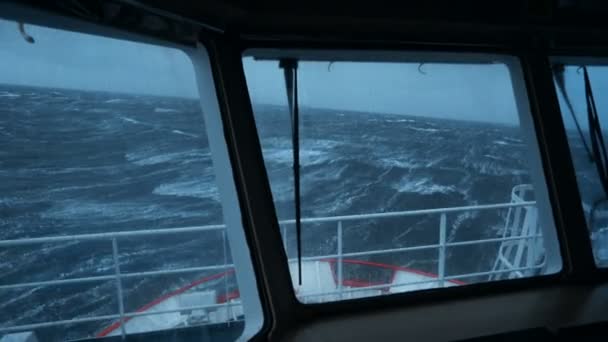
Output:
(512, 140)
(177, 131)
(428, 130)
(115, 101)
(400, 120)
(312, 151)
(99, 110)
(198, 188)
(307, 156)
(493, 157)
(127, 119)
(423, 186)
(151, 157)
(8, 94)
(404, 162)
(165, 110)
(110, 212)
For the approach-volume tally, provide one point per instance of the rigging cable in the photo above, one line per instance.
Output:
(597, 153)
(597, 137)
(560, 79)
(290, 67)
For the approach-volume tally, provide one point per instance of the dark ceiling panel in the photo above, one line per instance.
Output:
(182, 20)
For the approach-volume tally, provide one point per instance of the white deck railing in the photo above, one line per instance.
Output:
(114, 237)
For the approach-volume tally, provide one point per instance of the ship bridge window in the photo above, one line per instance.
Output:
(415, 170)
(581, 85)
(114, 220)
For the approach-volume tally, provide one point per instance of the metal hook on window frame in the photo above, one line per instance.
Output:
(420, 68)
(24, 34)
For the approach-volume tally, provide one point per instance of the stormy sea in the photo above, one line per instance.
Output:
(76, 162)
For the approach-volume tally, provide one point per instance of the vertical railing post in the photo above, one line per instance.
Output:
(228, 306)
(339, 263)
(441, 256)
(121, 305)
(284, 236)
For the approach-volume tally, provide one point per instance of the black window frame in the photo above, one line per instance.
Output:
(558, 171)
(583, 53)
(283, 312)
(27, 14)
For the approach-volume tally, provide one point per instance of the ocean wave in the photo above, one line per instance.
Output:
(427, 130)
(165, 110)
(358, 166)
(115, 101)
(31, 312)
(494, 167)
(307, 156)
(493, 157)
(8, 94)
(458, 221)
(109, 212)
(99, 110)
(177, 131)
(423, 186)
(92, 265)
(404, 162)
(14, 299)
(312, 151)
(152, 157)
(189, 188)
(400, 120)
(127, 119)
(513, 140)
(75, 299)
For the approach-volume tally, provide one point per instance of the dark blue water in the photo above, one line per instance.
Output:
(82, 162)
(592, 195)
(357, 163)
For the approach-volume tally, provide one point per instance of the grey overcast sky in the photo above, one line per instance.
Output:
(471, 92)
(576, 92)
(73, 60)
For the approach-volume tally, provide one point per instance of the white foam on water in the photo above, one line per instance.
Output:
(512, 140)
(127, 119)
(9, 94)
(177, 131)
(99, 110)
(165, 110)
(115, 101)
(423, 186)
(112, 212)
(198, 188)
(400, 120)
(428, 130)
(405, 162)
(307, 156)
(312, 151)
(490, 156)
(151, 157)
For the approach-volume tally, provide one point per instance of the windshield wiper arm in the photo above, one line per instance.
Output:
(290, 67)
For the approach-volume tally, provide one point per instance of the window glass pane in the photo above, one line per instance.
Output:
(413, 175)
(106, 159)
(570, 85)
